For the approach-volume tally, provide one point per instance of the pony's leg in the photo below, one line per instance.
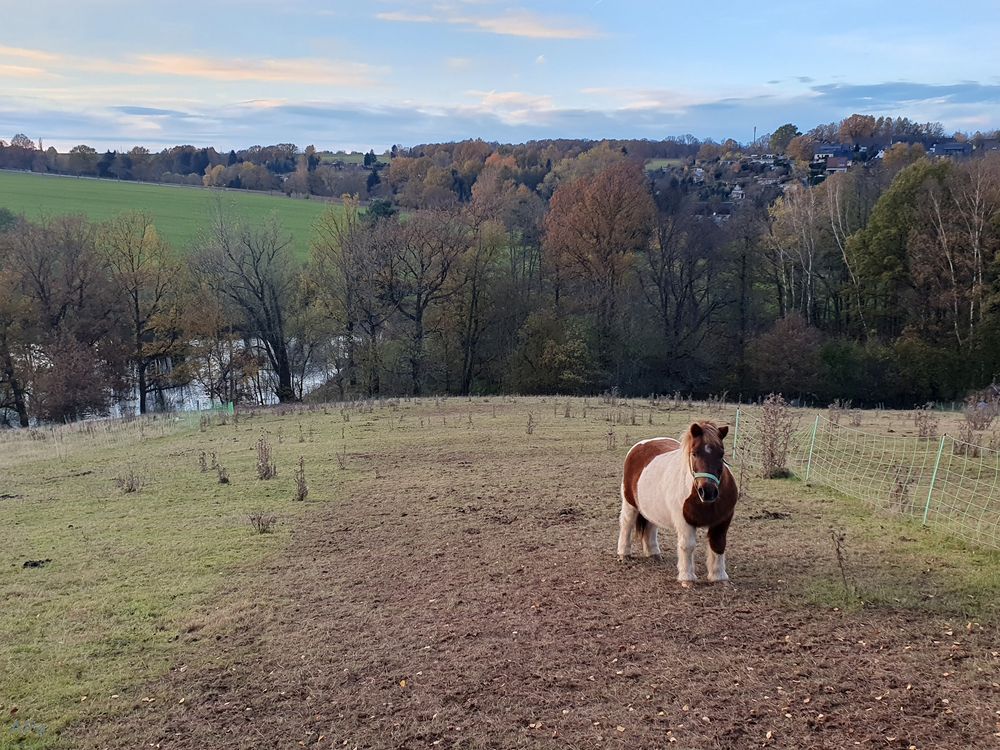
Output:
(686, 540)
(651, 542)
(717, 552)
(626, 523)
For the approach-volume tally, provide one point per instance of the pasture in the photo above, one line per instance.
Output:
(451, 581)
(181, 213)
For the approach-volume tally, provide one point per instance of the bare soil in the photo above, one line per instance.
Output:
(466, 595)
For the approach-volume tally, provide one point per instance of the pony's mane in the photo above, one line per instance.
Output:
(710, 436)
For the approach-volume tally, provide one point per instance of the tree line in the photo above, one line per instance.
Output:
(877, 285)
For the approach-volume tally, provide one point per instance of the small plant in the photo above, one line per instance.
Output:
(836, 410)
(301, 488)
(266, 466)
(341, 458)
(854, 417)
(531, 423)
(130, 481)
(899, 495)
(281, 435)
(567, 410)
(775, 428)
(302, 434)
(223, 475)
(203, 462)
(839, 539)
(926, 422)
(649, 417)
(261, 522)
(611, 438)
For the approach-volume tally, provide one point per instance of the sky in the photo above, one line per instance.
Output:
(357, 75)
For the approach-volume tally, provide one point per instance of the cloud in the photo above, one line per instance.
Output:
(28, 54)
(540, 60)
(519, 23)
(459, 63)
(21, 71)
(149, 111)
(300, 70)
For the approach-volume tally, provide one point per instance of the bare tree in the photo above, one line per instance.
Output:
(253, 267)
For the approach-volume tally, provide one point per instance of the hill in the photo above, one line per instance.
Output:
(181, 213)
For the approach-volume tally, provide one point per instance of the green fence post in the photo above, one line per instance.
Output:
(930, 490)
(736, 434)
(812, 444)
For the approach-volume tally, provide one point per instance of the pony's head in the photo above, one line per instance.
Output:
(702, 442)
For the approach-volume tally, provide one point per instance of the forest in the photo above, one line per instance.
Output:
(564, 268)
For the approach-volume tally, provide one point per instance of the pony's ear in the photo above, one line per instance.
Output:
(723, 431)
(696, 430)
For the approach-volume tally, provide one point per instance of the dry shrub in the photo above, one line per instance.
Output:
(776, 427)
(899, 495)
(301, 488)
(531, 423)
(130, 481)
(854, 417)
(261, 522)
(342, 456)
(203, 462)
(979, 413)
(926, 422)
(266, 466)
(836, 410)
(223, 474)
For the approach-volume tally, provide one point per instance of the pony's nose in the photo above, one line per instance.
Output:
(709, 492)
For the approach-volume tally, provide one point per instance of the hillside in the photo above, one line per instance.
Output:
(181, 213)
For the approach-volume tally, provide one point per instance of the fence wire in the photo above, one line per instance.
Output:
(944, 483)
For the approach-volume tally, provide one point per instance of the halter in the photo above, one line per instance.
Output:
(705, 474)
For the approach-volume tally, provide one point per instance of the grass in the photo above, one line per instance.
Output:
(181, 213)
(130, 573)
(653, 164)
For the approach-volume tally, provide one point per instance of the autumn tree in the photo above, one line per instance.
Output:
(144, 275)
(781, 137)
(594, 229)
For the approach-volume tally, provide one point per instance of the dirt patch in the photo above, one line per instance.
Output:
(36, 563)
(407, 627)
(8, 496)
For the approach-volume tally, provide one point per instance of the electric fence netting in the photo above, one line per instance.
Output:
(950, 485)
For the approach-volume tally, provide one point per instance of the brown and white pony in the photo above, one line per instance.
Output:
(685, 484)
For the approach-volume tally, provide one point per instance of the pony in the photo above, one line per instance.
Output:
(685, 484)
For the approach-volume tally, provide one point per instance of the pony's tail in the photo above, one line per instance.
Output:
(640, 524)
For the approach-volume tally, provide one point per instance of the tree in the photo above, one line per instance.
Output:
(22, 141)
(83, 160)
(419, 274)
(786, 359)
(781, 137)
(144, 274)
(252, 266)
(594, 228)
(857, 129)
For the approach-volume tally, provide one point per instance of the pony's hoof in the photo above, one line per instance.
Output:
(657, 557)
(687, 584)
(623, 558)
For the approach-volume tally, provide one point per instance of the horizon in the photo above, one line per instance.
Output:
(405, 72)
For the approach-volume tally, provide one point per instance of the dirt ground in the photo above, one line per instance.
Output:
(465, 594)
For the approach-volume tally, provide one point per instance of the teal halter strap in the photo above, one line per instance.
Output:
(706, 475)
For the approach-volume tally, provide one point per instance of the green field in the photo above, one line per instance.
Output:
(181, 213)
(653, 164)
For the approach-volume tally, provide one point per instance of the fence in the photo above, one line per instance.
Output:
(63, 441)
(944, 483)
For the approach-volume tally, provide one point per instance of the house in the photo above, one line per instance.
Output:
(951, 148)
(836, 164)
(737, 194)
(831, 150)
